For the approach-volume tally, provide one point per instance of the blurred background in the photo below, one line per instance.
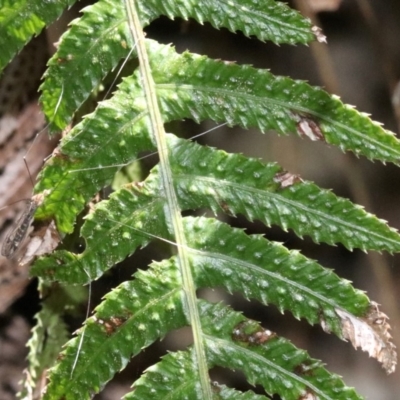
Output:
(361, 64)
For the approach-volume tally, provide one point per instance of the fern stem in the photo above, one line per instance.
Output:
(172, 210)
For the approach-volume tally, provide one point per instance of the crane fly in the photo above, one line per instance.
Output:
(18, 233)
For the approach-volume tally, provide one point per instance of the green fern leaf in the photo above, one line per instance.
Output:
(49, 334)
(267, 20)
(236, 184)
(85, 52)
(73, 174)
(273, 362)
(91, 54)
(210, 253)
(230, 183)
(248, 97)
(175, 376)
(48, 337)
(194, 86)
(132, 317)
(134, 210)
(21, 19)
(270, 273)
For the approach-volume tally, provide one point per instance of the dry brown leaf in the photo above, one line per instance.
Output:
(42, 241)
(371, 334)
(321, 38)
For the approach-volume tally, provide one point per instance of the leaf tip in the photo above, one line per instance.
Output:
(371, 334)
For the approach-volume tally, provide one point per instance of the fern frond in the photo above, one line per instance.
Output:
(132, 317)
(167, 87)
(235, 184)
(221, 256)
(49, 335)
(91, 53)
(231, 183)
(135, 314)
(266, 359)
(175, 376)
(21, 19)
(267, 20)
(193, 86)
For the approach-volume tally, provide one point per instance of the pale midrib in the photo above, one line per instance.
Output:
(172, 211)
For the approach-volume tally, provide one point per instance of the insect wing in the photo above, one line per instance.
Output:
(18, 234)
